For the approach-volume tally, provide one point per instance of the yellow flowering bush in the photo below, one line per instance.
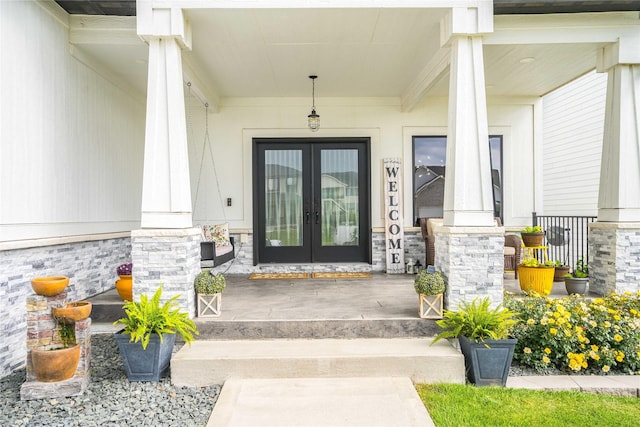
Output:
(576, 334)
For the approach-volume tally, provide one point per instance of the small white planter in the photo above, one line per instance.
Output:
(430, 306)
(209, 305)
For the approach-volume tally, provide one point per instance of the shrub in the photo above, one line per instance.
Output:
(477, 321)
(533, 229)
(149, 317)
(209, 282)
(576, 334)
(429, 283)
(124, 269)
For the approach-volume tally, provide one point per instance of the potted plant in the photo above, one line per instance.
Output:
(430, 285)
(483, 333)
(576, 282)
(124, 285)
(209, 285)
(532, 236)
(149, 333)
(561, 270)
(536, 276)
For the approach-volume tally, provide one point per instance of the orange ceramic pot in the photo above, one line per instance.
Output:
(55, 365)
(49, 286)
(124, 286)
(72, 312)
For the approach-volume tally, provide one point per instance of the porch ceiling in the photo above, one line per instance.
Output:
(356, 52)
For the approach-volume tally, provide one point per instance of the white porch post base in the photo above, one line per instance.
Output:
(614, 257)
(472, 260)
(167, 257)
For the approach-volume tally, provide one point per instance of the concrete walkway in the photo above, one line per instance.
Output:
(319, 402)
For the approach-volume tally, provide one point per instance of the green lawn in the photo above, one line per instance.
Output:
(458, 405)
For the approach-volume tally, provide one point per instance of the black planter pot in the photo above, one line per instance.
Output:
(487, 362)
(145, 365)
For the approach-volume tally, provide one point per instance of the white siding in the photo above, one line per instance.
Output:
(573, 128)
(71, 142)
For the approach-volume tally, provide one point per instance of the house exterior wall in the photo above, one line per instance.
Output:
(390, 130)
(71, 156)
(70, 165)
(572, 149)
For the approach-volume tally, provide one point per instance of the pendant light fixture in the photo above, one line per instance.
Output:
(313, 118)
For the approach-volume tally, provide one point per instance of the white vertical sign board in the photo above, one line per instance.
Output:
(394, 230)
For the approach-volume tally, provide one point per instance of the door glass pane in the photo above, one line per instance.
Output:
(340, 197)
(283, 201)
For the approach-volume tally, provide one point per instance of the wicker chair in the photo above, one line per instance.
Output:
(512, 247)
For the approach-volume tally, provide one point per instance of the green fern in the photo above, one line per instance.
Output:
(477, 321)
(150, 317)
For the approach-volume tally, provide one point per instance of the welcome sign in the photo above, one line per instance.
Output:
(394, 231)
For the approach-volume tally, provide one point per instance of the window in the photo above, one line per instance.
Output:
(429, 165)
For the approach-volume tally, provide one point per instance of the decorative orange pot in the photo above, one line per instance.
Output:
(49, 286)
(72, 312)
(124, 286)
(55, 365)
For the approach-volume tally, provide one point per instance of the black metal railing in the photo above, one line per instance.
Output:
(566, 236)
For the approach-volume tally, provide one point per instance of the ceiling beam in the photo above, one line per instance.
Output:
(426, 79)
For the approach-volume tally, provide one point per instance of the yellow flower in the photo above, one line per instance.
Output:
(556, 315)
(616, 317)
(594, 347)
(593, 323)
(545, 359)
(567, 333)
(606, 368)
(547, 350)
(553, 331)
(607, 324)
(544, 321)
(531, 322)
(527, 350)
(617, 338)
(552, 321)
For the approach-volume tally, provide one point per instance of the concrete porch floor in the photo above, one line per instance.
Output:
(383, 296)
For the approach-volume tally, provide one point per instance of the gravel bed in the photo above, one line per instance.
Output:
(110, 399)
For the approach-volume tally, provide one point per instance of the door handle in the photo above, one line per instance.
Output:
(317, 217)
(308, 216)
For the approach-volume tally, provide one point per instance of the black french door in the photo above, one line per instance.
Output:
(311, 200)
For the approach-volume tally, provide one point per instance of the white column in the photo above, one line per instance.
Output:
(166, 252)
(469, 248)
(166, 191)
(468, 194)
(614, 241)
(619, 196)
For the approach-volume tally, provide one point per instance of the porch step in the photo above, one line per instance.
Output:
(318, 328)
(106, 307)
(211, 362)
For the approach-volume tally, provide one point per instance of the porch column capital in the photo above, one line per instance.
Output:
(466, 21)
(162, 22)
(624, 51)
